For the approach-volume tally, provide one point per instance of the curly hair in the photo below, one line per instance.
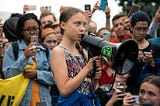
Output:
(22, 20)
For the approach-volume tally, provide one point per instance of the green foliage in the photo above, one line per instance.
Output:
(149, 6)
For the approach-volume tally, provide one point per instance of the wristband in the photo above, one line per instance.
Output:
(108, 17)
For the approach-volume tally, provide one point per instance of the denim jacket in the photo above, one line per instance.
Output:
(12, 67)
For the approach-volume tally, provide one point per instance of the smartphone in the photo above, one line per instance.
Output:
(135, 100)
(87, 7)
(32, 7)
(103, 4)
(147, 53)
(120, 86)
(134, 8)
(106, 36)
(34, 39)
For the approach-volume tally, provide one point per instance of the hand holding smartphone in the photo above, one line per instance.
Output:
(135, 100)
(121, 87)
(87, 7)
(103, 4)
(34, 47)
(34, 39)
(147, 53)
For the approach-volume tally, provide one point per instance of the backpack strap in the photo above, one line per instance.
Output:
(47, 54)
(15, 49)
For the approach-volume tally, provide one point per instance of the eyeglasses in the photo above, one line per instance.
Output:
(34, 29)
(144, 29)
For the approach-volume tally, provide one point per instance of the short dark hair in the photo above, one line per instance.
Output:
(118, 16)
(46, 13)
(22, 20)
(139, 16)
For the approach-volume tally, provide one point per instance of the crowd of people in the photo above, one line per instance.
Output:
(58, 66)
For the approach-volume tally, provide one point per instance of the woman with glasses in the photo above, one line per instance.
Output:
(149, 94)
(41, 77)
(149, 54)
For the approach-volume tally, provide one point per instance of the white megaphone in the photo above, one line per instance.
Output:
(124, 54)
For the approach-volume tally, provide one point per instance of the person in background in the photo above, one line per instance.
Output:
(113, 96)
(69, 62)
(106, 76)
(92, 25)
(104, 33)
(147, 51)
(47, 17)
(154, 27)
(127, 25)
(113, 33)
(155, 40)
(149, 94)
(118, 26)
(49, 38)
(8, 31)
(57, 29)
(40, 78)
(9, 27)
(152, 32)
(107, 12)
(92, 28)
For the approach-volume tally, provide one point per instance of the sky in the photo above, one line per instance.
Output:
(14, 6)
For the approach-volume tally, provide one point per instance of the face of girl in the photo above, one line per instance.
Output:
(30, 28)
(149, 92)
(51, 41)
(58, 34)
(75, 26)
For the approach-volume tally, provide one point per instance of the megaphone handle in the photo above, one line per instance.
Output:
(94, 66)
(92, 73)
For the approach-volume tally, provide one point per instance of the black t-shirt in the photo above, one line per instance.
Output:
(136, 70)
